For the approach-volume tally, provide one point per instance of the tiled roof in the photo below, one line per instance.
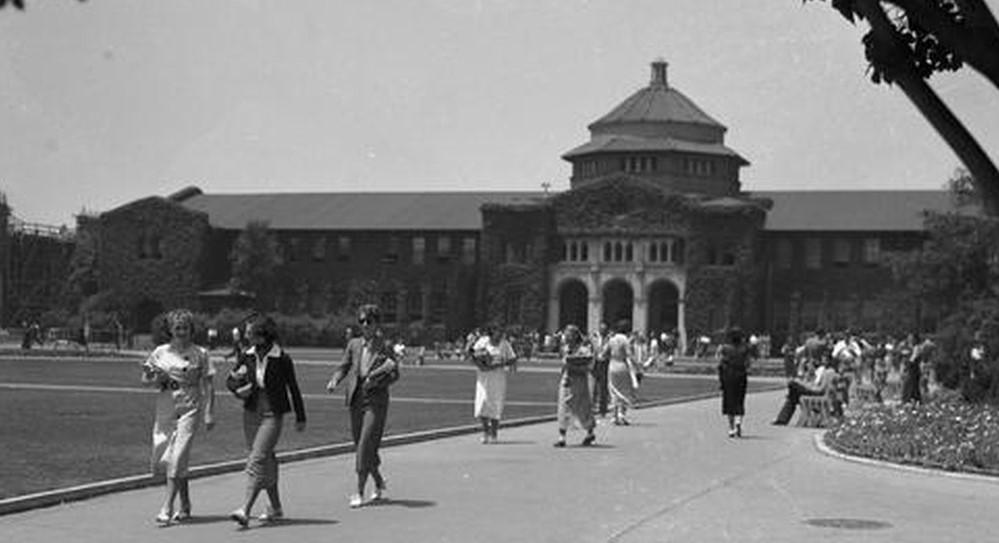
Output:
(868, 210)
(353, 210)
(852, 210)
(657, 103)
(621, 143)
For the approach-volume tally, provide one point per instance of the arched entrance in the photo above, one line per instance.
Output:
(572, 302)
(619, 300)
(664, 299)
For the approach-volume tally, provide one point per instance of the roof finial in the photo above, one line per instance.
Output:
(659, 73)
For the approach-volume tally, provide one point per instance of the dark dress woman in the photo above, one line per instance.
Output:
(733, 367)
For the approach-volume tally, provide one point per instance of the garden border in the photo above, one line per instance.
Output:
(983, 476)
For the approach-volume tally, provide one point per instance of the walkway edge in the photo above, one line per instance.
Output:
(823, 447)
(133, 482)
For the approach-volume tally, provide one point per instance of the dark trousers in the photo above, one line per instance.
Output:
(795, 391)
(601, 392)
(367, 424)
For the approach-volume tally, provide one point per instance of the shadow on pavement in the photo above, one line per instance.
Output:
(298, 522)
(401, 502)
(203, 519)
(514, 442)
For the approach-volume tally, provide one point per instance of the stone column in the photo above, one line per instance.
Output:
(681, 325)
(640, 304)
(553, 312)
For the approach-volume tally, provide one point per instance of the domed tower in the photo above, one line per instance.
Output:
(660, 135)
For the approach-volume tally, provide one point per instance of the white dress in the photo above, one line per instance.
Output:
(183, 403)
(490, 385)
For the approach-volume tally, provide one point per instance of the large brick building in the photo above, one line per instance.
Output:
(655, 229)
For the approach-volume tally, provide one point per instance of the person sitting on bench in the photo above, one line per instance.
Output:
(825, 380)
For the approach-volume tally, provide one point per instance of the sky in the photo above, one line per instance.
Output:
(107, 101)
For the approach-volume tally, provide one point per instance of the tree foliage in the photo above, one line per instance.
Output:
(957, 272)
(255, 258)
(910, 40)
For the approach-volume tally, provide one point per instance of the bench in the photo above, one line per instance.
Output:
(867, 393)
(815, 411)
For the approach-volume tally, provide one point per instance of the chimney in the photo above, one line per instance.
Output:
(659, 73)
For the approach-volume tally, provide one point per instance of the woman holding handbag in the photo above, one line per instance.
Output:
(183, 373)
(574, 386)
(270, 380)
(492, 355)
(368, 368)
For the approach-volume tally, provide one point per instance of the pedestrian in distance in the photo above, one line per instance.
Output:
(368, 368)
(574, 387)
(183, 374)
(264, 378)
(622, 372)
(493, 356)
(734, 358)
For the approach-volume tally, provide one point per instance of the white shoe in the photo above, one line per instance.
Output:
(356, 501)
(380, 493)
(271, 515)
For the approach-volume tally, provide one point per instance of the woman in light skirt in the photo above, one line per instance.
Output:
(493, 356)
(183, 373)
(623, 372)
(574, 387)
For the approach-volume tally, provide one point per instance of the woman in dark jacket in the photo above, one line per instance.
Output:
(733, 367)
(272, 380)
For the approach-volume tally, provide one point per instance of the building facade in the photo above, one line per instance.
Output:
(655, 230)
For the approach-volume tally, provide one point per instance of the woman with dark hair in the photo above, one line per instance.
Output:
(183, 373)
(622, 372)
(368, 368)
(733, 367)
(492, 355)
(574, 386)
(272, 378)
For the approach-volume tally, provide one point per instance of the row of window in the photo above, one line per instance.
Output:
(700, 167)
(669, 250)
(295, 249)
(842, 252)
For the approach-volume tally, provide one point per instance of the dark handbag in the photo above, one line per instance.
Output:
(240, 383)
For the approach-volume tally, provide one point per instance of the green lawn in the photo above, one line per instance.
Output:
(59, 438)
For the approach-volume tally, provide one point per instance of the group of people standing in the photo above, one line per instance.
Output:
(263, 379)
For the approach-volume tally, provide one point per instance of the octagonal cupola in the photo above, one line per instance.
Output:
(659, 134)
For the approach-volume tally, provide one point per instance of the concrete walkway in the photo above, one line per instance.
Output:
(671, 476)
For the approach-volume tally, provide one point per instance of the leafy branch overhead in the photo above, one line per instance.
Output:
(17, 4)
(910, 40)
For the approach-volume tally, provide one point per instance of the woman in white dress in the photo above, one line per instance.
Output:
(493, 356)
(623, 372)
(183, 373)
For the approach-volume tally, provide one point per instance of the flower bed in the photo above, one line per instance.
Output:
(946, 434)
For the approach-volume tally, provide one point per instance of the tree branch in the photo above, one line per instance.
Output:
(888, 50)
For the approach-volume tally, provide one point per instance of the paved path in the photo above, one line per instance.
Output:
(672, 476)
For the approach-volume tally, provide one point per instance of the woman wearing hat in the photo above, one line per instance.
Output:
(368, 367)
(182, 372)
(733, 366)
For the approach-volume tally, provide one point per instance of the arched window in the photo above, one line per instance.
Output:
(653, 252)
(618, 252)
(574, 251)
(585, 252)
(607, 251)
(629, 252)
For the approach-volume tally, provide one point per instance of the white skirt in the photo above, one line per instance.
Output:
(490, 394)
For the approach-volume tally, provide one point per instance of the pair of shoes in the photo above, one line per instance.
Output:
(181, 516)
(559, 444)
(163, 518)
(731, 433)
(239, 517)
(588, 440)
(356, 501)
(271, 515)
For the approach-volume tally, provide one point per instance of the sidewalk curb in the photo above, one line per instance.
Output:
(821, 445)
(59, 496)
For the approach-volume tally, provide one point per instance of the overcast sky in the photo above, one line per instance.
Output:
(107, 101)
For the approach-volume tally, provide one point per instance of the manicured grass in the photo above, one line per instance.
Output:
(59, 438)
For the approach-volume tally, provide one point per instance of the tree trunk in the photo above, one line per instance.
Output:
(895, 58)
